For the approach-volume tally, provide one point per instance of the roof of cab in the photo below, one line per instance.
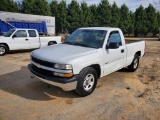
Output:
(102, 28)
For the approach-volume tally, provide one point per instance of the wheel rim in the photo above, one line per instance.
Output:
(51, 43)
(135, 63)
(2, 50)
(89, 82)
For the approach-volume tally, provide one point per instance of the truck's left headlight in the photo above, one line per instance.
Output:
(63, 66)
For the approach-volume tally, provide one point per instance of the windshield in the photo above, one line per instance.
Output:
(87, 38)
(9, 33)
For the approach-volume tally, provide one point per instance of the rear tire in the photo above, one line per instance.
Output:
(51, 43)
(3, 49)
(87, 82)
(134, 65)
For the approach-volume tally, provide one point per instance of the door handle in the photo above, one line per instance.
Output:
(26, 39)
(122, 51)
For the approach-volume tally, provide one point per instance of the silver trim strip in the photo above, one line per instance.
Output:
(50, 69)
(65, 87)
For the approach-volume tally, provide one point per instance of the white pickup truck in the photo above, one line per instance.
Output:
(86, 55)
(22, 39)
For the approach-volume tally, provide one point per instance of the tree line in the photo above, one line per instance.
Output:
(75, 15)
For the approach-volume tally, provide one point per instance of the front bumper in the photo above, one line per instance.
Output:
(67, 84)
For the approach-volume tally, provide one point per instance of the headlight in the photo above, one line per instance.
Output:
(63, 66)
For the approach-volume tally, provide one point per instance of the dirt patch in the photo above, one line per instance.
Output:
(98, 86)
(69, 101)
(26, 60)
(119, 96)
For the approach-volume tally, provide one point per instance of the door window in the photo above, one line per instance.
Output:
(32, 33)
(115, 37)
(21, 33)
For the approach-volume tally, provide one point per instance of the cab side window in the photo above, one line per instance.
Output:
(32, 33)
(115, 37)
(20, 33)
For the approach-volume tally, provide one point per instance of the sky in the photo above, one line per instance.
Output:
(132, 4)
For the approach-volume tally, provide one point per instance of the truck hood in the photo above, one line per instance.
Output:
(3, 39)
(62, 53)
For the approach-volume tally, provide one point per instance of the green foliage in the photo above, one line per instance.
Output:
(152, 22)
(27, 6)
(54, 8)
(85, 15)
(62, 16)
(94, 21)
(74, 14)
(55, 13)
(39, 7)
(140, 21)
(8, 5)
(104, 13)
(131, 26)
(158, 19)
(125, 19)
(115, 15)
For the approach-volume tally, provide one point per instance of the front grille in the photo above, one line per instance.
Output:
(42, 62)
(42, 71)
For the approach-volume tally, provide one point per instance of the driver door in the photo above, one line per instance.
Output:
(20, 40)
(114, 58)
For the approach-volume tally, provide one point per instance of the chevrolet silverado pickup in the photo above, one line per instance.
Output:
(22, 39)
(86, 55)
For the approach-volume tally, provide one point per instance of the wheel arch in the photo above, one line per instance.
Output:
(97, 68)
(5, 45)
(138, 53)
(52, 41)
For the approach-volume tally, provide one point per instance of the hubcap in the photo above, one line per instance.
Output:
(88, 82)
(51, 43)
(2, 50)
(135, 63)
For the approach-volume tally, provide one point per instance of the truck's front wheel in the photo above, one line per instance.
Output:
(87, 82)
(3, 49)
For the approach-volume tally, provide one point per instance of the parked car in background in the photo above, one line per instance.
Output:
(23, 39)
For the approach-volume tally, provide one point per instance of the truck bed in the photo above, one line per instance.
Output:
(132, 41)
(134, 46)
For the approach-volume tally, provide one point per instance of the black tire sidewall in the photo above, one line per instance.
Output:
(80, 89)
(5, 50)
(51, 43)
(131, 67)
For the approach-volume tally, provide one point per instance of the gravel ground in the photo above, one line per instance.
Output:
(118, 96)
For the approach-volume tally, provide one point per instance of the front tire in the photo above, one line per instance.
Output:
(134, 65)
(3, 49)
(87, 82)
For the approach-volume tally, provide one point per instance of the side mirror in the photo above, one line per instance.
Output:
(112, 45)
(14, 36)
